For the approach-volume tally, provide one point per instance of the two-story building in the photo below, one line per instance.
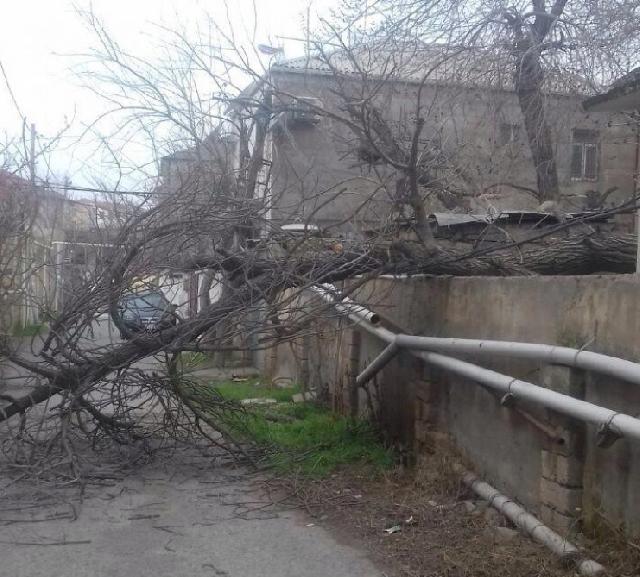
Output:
(317, 170)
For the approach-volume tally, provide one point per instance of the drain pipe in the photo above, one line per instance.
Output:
(551, 354)
(533, 527)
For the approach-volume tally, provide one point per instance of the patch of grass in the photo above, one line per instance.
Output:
(312, 441)
(298, 438)
(252, 389)
(31, 330)
(193, 359)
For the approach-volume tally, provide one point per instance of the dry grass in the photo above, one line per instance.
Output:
(612, 548)
(439, 536)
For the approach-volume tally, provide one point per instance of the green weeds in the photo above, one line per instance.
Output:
(30, 330)
(252, 389)
(303, 438)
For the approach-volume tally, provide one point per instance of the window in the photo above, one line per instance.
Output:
(584, 154)
(78, 255)
(509, 134)
(368, 154)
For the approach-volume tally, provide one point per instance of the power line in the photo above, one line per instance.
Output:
(106, 191)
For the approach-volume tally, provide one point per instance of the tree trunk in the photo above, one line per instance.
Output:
(204, 290)
(529, 79)
(580, 255)
(584, 254)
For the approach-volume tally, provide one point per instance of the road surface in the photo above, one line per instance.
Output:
(14, 379)
(185, 515)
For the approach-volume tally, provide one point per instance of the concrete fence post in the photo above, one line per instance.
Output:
(427, 398)
(561, 483)
(355, 346)
(305, 363)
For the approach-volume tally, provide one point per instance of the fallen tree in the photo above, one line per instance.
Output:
(214, 215)
(257, 281)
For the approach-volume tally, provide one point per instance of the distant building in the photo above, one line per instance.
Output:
(474, 138)
(31, 221)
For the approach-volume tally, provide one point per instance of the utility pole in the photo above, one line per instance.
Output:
(636, 176)
(32, 158)
(26, 245)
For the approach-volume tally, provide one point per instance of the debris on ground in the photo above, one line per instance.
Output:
(415, 528)
(501, 534)
(258, 401)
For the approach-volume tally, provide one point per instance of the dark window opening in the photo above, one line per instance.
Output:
(369, 155)
(509, 134)
(584, 154)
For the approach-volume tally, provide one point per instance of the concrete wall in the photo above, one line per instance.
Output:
(565, 484)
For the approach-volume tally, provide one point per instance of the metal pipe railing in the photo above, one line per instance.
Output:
(551, 354)
(610, 422)
(345, 305)
(378, 363)
(555, 355)
(616, 423)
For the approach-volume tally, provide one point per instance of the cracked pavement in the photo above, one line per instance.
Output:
(185, 513)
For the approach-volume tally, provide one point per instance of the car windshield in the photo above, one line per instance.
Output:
(144, 302)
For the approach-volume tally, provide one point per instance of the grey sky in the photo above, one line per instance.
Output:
(38, 39)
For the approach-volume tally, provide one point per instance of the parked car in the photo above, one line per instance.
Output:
(148, 310)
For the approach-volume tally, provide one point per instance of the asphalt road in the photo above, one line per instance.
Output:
(187, 513)
(184, 515)
(14, 379)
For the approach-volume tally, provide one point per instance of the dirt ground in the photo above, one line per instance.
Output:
(411, 533)
(425, 523)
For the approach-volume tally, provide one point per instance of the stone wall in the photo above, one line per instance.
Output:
(553, 465)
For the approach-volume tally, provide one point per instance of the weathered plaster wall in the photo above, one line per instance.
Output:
(601, 313)
(317, 175)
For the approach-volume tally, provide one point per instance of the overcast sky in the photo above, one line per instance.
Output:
(39, 38)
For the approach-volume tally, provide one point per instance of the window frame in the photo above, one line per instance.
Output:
(512, 132)
(589, 141)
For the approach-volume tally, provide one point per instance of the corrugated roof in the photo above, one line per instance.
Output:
(624, 94)
(511, 217)
(458, 218)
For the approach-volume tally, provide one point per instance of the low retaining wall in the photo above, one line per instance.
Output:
(552, 465)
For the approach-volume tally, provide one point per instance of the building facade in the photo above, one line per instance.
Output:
(31, 222)
(478, 160)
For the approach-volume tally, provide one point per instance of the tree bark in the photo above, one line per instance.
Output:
(529, 79)
(584, 254)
